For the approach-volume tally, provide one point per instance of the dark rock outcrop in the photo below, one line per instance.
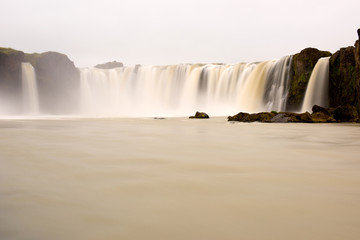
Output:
(255, 117)
(58, 82)
(271, 117)
(344, 78)
(10, 77)
(110, 65)
(200, 115)
(319, 109)
(302, 65)
(347, 113)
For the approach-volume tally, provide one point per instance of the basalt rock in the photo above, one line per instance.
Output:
(110, 65)
(255, 117)
(299, 117)
(346, 113)
(240, 117)
(344, 78)
(319, 109)
(200, 115)
(302, 65)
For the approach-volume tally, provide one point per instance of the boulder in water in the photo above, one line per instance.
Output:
(255, 117)
(240, 117)
(200, 115)
(317, 109)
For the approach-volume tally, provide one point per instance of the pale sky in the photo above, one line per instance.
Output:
(166, 32)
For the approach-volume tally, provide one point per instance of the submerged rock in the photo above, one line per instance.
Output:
(200, 115)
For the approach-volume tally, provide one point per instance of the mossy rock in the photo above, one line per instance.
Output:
(300, 117)
(322, 117)
(200, 115)
(240, 117)
(255, 117)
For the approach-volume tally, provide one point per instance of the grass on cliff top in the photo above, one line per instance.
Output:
(8, 51)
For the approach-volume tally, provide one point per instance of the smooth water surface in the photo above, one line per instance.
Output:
(100, 179)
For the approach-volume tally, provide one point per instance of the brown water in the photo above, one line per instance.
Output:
(178, 179)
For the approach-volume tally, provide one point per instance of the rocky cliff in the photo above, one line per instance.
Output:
(343, 78)
(10, 78)
(302, 65)
(57, 77)
(58, 82)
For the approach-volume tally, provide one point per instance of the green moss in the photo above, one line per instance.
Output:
(9, 51)
(299, 85)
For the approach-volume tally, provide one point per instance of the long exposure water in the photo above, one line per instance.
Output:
(178, 178)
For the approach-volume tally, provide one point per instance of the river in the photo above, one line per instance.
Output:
(178, 179)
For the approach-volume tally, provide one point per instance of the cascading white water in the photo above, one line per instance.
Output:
(278, 85)
(318, 86)
(180, 90)
(29, 89)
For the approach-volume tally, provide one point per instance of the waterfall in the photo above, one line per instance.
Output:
(318, 86)
(278, 85)
(180, 90)
(29, 89)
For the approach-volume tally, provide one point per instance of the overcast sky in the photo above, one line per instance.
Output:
(170, 32)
